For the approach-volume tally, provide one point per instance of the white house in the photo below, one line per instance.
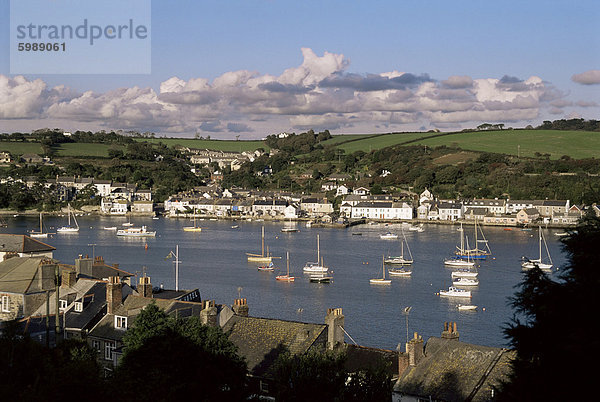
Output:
(386, 210)
(342, 190)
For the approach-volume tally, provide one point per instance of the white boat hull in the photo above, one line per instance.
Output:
(455, 262)
(315, 268)
(465, 282)
(67, 230)
(399, 272)
(454, 292)
(379, 281)
(464, 274)
(398, 260)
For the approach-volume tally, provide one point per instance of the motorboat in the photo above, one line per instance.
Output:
(464, 273)
(466, 307)
(388, 236)
(136, 232)
(465, 282)
(455, 292)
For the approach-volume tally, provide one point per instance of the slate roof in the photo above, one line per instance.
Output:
(20, 275)
(456, 371)
(94, 305)
(261, 340)
(22, 244)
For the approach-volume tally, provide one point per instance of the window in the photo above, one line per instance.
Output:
(108, 350)
(79, 307)
(63, 304)
(96, 345)
(120, 322)
(5, 304)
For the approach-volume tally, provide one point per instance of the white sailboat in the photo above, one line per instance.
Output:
(458, 261)
(382, 280)
(401, 259)
(263, 258)
(530, 263)
(316, 266)
(41, 233)
(69, 228)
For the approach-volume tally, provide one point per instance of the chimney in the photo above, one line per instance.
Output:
(450, 331)
(114, 295)
(83, 266)
(208, 314)
(145, 287)
(69, 278)
(47, 275)
(414, 349)
(402, 360)
(240, 307)
(335, 327)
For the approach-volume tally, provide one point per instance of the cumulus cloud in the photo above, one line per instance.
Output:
(582, 103)
(589, 77)
(319, 93)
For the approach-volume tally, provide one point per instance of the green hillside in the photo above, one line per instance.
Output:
(526, 143)
(217, 145)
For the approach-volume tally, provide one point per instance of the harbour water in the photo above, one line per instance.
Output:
(214, 261)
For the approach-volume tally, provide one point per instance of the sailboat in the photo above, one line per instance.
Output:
(316, 266)
(474, 253)
(69, 228)
(194, 228)
(262, 257)
(458, 261)
(41, 233)
(286, 277)
(401, 259)
(382, 280)
(529, 263)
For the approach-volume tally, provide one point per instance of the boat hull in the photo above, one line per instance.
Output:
(380, 281)
(399, 272)
(260, 259)
(192, 229)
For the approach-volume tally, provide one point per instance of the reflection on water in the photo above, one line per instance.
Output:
(214, 261)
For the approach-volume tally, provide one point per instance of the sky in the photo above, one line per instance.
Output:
(247, 69)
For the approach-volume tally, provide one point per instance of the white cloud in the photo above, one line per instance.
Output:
(319, 93)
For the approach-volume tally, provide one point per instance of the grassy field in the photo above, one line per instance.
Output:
(379, 141)
(84, 150)
(576, 144)
(20, 148)
(234, 146)
(338, 139)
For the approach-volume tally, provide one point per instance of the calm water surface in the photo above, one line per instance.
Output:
(214, 261)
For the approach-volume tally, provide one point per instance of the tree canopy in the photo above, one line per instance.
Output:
(172, 359)
(554, 331)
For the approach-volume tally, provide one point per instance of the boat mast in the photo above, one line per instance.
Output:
(262, 246)
(287, 259)
(318, 250)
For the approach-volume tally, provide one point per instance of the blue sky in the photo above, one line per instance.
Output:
(256, 67)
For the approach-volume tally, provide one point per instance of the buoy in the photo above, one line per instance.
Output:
(484, 309)
(146, 246)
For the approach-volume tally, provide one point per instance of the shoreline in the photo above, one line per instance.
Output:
(94, 212)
